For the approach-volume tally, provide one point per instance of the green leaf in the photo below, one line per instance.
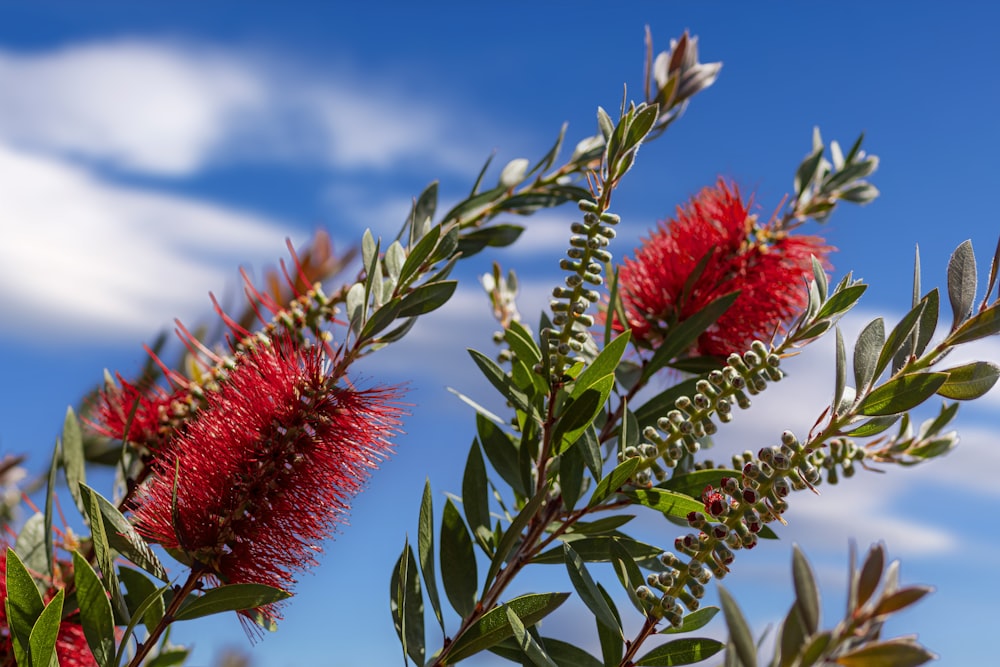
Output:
(871, 427)
(970, 380)
(458, 562)
(50, 496)
(612, 640)
(866, 352)
(961, 282)
(901, 394)
(169, 657)
(869, 576)
(501, 452)
(681, 652)
(42, 640)
(122, 536)
(155, 599)
(569, 655)
(499, 379)
(30, 543)
(901, 599)
(693, 621)
(138, 589)
(231, 597)
(840, 301)
(982, 324)
(512, 535)
(587, 589)
(475, 502)
(407, 605)
(494, 626)
(522, 343)
(791, 637)
(807, 171)
(418, 255)
(380, 319)
(95, 611)
(590, 448)
(898, 337)
(928, 322)
(571, 474)
(682, 336)
(425, 548)
(739, 631)
(526, 642)
(425, 298)
(23, 605)
(603, 365)
(903, 652)
(840, 375)
(668, 502)
(614, 481)
(628, 573)
(692, 483)
(806, 591)
(73, 458)
(602, 548)
(581, 411)
(495, 236)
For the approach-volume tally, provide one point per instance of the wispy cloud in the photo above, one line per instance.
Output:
(84, 255)
(170, 108)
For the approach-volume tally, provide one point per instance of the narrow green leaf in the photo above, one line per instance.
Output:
(407, 605)
(494, 236)
(122, 536)
(418, 255)
(628, 573)
(425, 548)
(904, 652)
(501, 381)
(104, 553)
(692, 483)
(806, 591)
(138, 589)
(522, 343)
(970, 380)
(72, 456)
(230, 597)
(501, 452)
(42, 640)
(458, 562)
(901, 394)
(30, 543)
(815, 648)
(871, 427)
(475, 502)
(901, 599)
(668, 502)
(581, 411)
(961, 282)
(512, 535)
(928, 322)
(739, 631)
(380, 319)
(140, 612)
(840, 373)
(603, 365)
(840, 301)
(611, 639)
(169, 657)
(23, 605)
(602, 548)
(614, 481)
(590, 448)
(871, 340)
(682, 336)
(870, 575)
(982, 324)
(569, 655)
(50, 496)
(587, 590)
(693, 621)
(684, 651)
(95, 611)
(791, 638)
(531, 648)
(898, 337)
(494, 626)
(427, 297)
(571, 474)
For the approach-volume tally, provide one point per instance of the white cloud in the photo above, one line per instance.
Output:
(83, 255)
(170, 108)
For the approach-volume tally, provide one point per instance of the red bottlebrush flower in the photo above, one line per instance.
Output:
(148, 409)
(714, 501)
(71, 643)
(713, 247)
(267, 466)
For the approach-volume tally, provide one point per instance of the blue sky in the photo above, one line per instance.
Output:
(147, 152)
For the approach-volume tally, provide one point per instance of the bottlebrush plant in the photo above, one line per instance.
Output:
(237, 461)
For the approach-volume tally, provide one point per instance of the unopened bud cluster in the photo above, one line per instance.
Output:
(737, 510)
(584, 262)
(679, 431)
(678, 586)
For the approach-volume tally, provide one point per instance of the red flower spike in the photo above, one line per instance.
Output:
(714, 247)
(268, 467)
(71, 643)
(149, 409)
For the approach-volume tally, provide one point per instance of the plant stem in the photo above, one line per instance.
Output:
(180, 595)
